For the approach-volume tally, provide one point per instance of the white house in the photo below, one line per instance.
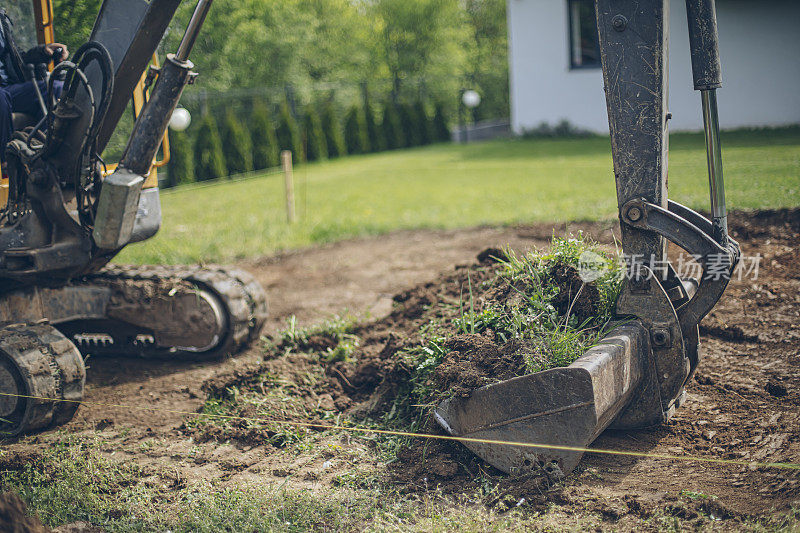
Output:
(555, 68)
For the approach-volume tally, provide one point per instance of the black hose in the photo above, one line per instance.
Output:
(90, 52)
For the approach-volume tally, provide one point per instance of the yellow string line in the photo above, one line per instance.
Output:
(355, 429)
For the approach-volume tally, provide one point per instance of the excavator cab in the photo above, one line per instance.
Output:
(67, 212)
(34, 25)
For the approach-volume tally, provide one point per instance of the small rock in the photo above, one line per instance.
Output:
(79, 527)
(776, 389)
(100, 425)
(492, 255)
(613, 510)
(326, 402)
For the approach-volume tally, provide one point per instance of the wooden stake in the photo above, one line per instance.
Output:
(288, 179)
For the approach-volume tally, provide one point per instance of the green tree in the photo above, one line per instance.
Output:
(293, 41)
(391, 127)
(487, 52)
(441, 43)
(422, 38)
(374, 134)
(355, 132)
(288, 134)
(73, 21)
(265, 143)
(236, 145)
(408, 122)
(424, 126)
(209, 159)
(332, 128)
(316, 146)
(441, 131)
(180, 168)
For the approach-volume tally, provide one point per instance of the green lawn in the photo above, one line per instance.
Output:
(450, 186)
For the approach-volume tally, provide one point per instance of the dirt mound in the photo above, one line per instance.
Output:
(471, 350)
(14, 516)
(477, 360)
(574, 298)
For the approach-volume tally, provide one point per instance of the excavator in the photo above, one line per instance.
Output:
(68, 213)
(637, 375)
(65, 213)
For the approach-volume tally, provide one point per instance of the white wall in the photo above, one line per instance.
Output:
(759, 46)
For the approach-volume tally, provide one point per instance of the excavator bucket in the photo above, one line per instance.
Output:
(636, 376)
(556, 412)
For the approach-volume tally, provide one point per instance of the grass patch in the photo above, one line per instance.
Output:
(335, 336)
(561, 337)
(71, 482)
(453, 186)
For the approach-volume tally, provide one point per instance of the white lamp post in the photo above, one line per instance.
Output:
(180, 120)
(471, 99)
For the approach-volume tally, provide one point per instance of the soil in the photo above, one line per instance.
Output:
(14, 516)
(744, 403)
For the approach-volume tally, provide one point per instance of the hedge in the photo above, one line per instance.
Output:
(355, 132)
(265, 143)
(316, 146)
(391, 127)
(180, 168)
(288, 134)
(236, 145)
(332, 129)
(210, 161)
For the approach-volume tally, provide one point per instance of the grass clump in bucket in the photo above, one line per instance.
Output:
(566, 299)
(514, 314)
(507, 315)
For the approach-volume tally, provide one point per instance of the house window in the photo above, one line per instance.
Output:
(583, 43)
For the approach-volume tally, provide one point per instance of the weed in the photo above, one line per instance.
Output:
(334, 336)
(695, 495)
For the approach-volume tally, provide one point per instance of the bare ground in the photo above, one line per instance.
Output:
(743, 404)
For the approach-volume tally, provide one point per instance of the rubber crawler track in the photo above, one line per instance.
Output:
(47, 365)
(242, 296)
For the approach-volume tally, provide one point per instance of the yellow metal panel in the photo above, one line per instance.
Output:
(43, 10)
(3, 192)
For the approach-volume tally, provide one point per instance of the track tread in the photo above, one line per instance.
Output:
(51, 367)
(242, 296)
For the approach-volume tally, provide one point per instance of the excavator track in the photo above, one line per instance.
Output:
(179, 312)
(42, 377)
(224, 312)
(176, 312)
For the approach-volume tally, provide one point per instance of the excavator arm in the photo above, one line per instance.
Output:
(637, 375)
